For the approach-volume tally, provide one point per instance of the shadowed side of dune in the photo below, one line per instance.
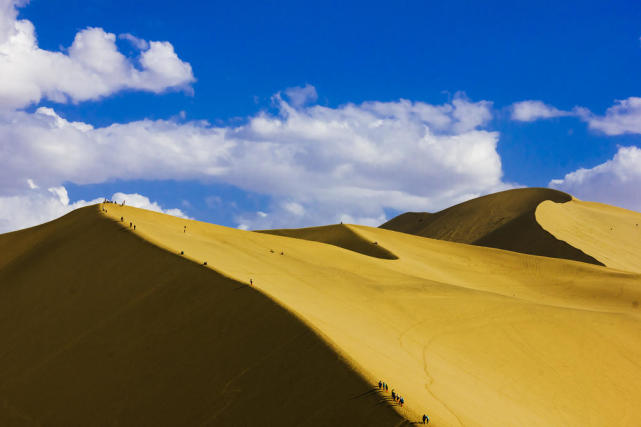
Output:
(504, 220)
(340, 235)
(409, 222)
(99, 327)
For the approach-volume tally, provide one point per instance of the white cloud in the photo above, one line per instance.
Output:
(616, 182)
(92, 68)
(529, 111)
(318, 164)
(301, 95)
(139, 201)
(623, 117)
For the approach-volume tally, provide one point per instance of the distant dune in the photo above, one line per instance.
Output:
(101, 324)
(504, 220)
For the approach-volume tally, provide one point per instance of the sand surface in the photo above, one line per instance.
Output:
(100, 328)
(468, 334)
(610, 234)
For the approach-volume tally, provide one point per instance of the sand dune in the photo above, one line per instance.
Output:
(469, 334)
(504, 220)
(609, 234)
(99, 327)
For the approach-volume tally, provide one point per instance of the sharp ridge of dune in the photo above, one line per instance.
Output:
(341, 235)
(504, 220)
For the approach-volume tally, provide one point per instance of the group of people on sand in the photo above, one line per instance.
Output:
(111, 201)
(398, 398)
(395, 396)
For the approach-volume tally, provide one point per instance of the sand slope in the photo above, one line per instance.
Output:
(609, 234)
(341, 235)
(504, 220)
(472, 335)
(100, 327)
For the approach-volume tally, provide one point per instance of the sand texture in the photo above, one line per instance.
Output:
(105, 325)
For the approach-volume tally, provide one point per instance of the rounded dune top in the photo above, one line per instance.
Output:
(504, 220)
(473, 220)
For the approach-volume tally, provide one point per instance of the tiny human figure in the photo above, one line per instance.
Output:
(386, 388)
(131, 224)
(121, 219)
(185, 229)
(426, 419)
(393, 395)
(251, 282)
(402, 401)
(134, 226)
(380, 385)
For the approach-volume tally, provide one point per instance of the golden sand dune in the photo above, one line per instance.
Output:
(504, 220)
(609, 234)
(468, 334)
(100, 327)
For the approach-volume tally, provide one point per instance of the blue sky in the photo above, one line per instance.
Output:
(243, 53)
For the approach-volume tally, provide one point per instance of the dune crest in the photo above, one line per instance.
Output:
(504, 220)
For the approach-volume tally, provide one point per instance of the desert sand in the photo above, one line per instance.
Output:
(504, 220)
(105, 325)
(609, 234)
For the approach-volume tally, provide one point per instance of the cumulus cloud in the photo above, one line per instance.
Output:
(91, 68)
(529, 111)
(616, 182)
(139, 201)
(318, 164)
(35, 206)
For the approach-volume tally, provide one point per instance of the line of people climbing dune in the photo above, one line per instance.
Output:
(397, 398)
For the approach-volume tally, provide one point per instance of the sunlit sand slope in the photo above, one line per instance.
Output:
(99, 327)
(340, 235)
(504, 220)
(470, 335)
(609, 234)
